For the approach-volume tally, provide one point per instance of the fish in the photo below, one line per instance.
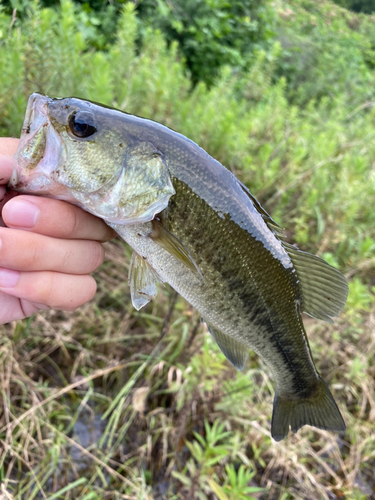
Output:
(192, 224)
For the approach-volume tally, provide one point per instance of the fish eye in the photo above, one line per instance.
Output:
(82, 124)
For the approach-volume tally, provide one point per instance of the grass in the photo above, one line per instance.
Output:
(109, 403)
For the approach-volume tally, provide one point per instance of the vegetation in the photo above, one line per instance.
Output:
(212, 33)
(358, 5)
(110, 403)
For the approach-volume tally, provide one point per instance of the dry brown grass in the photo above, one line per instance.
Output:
(162, 378)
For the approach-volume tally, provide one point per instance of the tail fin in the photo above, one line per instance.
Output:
(320, 410)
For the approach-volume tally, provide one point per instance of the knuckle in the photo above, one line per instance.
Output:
(46, 289)
(34, 251)
(81, 257)
(97, 254)
(84, 294)
(65, 292)
(66, 260)
(75, 220)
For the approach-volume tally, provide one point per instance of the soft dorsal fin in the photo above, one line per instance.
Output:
(272, 225)
(234, 351)
(142, 281)
(324, 288)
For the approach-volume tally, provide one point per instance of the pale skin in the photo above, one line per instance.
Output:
(47, 251)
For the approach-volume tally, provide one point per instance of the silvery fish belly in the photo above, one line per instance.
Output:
(193, 225)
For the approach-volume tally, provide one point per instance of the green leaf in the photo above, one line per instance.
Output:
(217, 489)
(70, 486)
(182, 478)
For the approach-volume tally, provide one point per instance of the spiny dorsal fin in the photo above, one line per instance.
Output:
(324, 288)
(272, 225)
(234, 351)
(173, 245)
(142, 281)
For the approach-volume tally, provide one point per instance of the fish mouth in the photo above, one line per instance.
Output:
(32, 155)
(36, 104)
(32, 141)
(36, 119)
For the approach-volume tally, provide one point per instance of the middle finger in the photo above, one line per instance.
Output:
(26, 251)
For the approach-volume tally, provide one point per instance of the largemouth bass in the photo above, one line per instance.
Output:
(191, 224)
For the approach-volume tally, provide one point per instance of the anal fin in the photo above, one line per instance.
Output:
(142, 281)
(324, 288)
(233, 350)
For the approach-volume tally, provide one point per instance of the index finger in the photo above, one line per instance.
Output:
(8, 147)
(55, 218)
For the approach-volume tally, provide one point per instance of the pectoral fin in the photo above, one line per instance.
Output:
(173, 245)
(234, 351)
(142, 281)
(324, 288)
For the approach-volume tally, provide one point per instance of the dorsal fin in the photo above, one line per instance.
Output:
(272, 225)
(324, 288)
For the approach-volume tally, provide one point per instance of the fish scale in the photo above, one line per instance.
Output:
(242, 273)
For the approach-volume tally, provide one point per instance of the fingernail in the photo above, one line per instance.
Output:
(8, 278)
(20, 213)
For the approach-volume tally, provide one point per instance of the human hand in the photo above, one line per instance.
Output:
(46, 252)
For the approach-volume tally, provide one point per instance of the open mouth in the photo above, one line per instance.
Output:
(36, 106)
(33, 137)
(35, 158)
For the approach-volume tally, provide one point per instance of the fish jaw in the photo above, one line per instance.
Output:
(33, 140)
(39, 153)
